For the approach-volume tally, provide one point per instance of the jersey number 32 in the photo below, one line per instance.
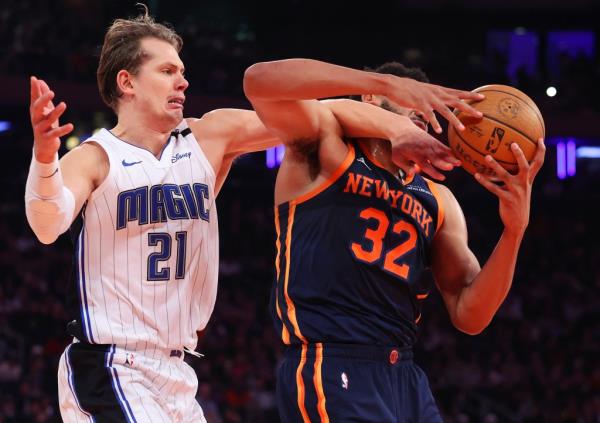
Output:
(375, 236)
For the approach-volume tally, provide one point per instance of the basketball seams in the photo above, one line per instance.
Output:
(535, 110)
(511, 127)
(505, 124)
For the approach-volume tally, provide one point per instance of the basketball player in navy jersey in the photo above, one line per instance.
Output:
(141, 198)
(356, 226)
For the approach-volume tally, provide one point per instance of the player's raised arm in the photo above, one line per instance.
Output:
(295, 79)
(410, 145)
(55, 191)
(472, 294)
(241, 131)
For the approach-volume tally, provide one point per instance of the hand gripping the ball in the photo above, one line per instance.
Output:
(514, 192)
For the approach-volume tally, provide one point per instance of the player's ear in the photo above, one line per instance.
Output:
(124, 82)
(370, 99)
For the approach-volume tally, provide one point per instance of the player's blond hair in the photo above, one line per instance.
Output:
(122, 51)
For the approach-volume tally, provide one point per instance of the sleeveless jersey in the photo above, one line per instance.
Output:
(350, 255)
(147, 252)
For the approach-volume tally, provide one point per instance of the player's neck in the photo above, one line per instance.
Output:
(141, 134)
(381, 151)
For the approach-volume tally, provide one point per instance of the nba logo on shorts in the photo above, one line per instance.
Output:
(129, 357)
(344, 380)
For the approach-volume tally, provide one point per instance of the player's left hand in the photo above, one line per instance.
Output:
(414, 150)
(515, 192)
(430, 98)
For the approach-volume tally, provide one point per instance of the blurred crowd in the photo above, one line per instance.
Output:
(61, 40)
(538, 360)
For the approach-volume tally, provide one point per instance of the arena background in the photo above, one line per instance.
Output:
(537, 361)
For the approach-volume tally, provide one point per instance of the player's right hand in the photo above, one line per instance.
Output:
(44, 121)
(430, 98)
(414, 149)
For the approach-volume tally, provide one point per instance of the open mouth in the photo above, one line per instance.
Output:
(420, 123)
(177, 102)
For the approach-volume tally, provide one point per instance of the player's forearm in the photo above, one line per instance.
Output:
(480, 300)
(362, 120)
(301, 79)
(49, 205)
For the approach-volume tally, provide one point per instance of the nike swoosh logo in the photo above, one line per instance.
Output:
(361, 160)
(124, 163)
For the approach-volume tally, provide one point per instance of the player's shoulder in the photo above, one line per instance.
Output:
(88, 151)
(89, 160)
(440, 191)
(450, 212)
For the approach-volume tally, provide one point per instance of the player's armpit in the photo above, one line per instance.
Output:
(291, 120)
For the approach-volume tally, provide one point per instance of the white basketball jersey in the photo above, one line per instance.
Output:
(148, 252)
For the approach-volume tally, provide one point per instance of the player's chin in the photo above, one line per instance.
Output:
(174, 115)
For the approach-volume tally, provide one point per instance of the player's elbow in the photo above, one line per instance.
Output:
(470, 326)
(255, 79)
(44, 236)
(46, 240)
(45, 227)
(469, 320)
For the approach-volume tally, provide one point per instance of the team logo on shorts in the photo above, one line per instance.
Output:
(344, 380)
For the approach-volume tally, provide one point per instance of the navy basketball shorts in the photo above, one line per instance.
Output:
(106, 384)
(338, 383)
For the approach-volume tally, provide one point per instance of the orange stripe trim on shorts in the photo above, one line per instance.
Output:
(285, 334)
(434, 190)
(331, 179)
(318, 381)
(300, 385)
(291, 308)
(422, 296)
(277, 241)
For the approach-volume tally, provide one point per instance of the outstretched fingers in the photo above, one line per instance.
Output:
(520, 157)
(501, 173)
(467, 95)
(61, 131)
(429, 115)
(451, 118)
(34, 90)
(538, 159)
(467, 109)
(39, 106)
(429, 169)
(51, 119)
(492, 187)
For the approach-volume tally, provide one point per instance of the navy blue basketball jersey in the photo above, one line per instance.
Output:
(350, 255)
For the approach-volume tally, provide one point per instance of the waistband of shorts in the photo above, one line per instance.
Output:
(388, 354)
(154, 351)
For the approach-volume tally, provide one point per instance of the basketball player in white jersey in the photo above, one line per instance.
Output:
(141, 200)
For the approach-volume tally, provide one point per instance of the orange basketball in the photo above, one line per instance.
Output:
(508, 116)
